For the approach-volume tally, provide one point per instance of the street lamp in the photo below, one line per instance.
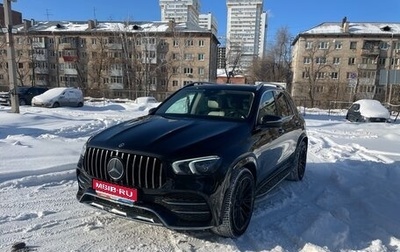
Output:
(11, 56)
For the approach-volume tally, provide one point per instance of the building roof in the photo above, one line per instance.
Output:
(353, 28)
(356, 28)
(132, 27)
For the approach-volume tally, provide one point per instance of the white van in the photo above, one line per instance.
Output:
(59, 97)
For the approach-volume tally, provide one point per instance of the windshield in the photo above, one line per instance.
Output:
(210, 103)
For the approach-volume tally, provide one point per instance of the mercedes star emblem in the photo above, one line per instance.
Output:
(115, 168)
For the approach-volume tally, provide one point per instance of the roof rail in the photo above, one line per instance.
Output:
(270, 84)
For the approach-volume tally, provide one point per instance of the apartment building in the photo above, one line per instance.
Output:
(337, 63)
(208, 22)
(115, 59)
(180, 11)
(246, 30)
(16, 17)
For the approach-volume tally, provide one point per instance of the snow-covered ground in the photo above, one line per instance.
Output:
(349, 199)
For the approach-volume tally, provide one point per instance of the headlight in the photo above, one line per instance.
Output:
(198, 166)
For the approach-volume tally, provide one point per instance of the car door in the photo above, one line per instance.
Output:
(291, 126)
(353, 114)
(63, 98)
(72, 98)
(266, 145)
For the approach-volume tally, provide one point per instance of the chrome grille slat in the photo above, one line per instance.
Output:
(153, 177)
(146, 172)
(140, 171)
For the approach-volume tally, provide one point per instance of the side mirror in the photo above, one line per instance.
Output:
(271, 121)
(152, 110)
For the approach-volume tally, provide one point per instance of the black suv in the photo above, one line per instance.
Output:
(25, 95)
(199, 159)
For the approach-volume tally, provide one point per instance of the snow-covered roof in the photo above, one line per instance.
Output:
(355, 28)
(133, 27)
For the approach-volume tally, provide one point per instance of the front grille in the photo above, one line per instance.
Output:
(140, 171)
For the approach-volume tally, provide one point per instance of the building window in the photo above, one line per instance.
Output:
(175, 56)
(384, 45)
(353, 45)
(367, 74)
(201, 43)
(351, 75)
(323, 45)
(152, 41)
(309, 44)
(336, 60)
(200, 56)
(188, 70)
(307, 60)
(334, 75)
(318, 89)
(321, 75)
(352, 61)
(187, 82)
(20, 65)
(175, 43)
(320, 60)
(201, 71)
(188, 56)
(174, 83)
(305, 75)
(189, 42)
(338, 45)
(382, 61)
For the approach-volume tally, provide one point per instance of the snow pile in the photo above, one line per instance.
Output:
(349, 199)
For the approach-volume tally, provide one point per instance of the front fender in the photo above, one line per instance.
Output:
(247, 160)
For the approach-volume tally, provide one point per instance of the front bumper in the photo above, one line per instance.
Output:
(174, 209)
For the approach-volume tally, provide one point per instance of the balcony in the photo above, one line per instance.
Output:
(371, 51)
(40, 70)
(114, 46)
(70, 58)
(69, 71)
(368, 66)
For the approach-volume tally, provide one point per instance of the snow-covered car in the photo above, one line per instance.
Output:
(145, 100)
(59, 97)
(367, 110)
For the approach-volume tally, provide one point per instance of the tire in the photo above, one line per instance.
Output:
(22, 102)
(56, 105)
(300, 162)
(237, 208)
(80, 104)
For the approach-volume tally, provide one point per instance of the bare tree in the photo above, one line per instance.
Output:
(317, 66)
(275, 66)
(99, 64)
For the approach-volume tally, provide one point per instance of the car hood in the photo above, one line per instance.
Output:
(44, 98)
(168, 136)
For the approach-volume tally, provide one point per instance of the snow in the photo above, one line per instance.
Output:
(372, 108)
(348, 201)
(356, 28)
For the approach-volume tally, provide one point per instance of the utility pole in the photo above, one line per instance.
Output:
(11, 56)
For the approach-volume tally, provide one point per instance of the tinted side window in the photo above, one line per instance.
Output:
(283, 107)
(267, 106)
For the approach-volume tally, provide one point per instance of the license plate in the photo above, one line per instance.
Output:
(113, 191)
